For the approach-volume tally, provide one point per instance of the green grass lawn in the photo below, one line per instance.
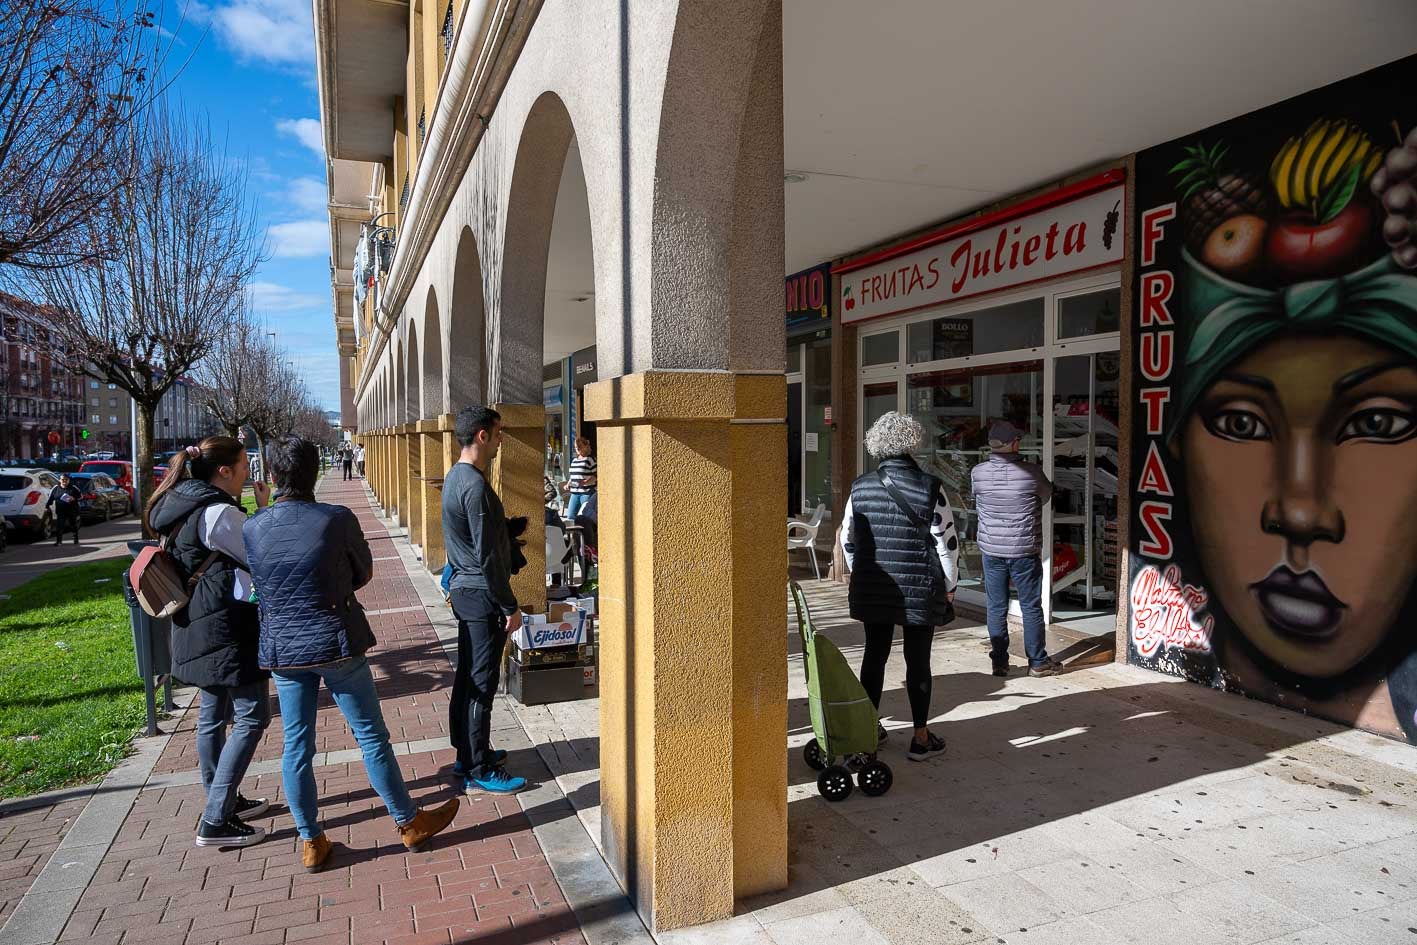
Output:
(67, 675)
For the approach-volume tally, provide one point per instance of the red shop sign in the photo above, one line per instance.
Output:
(1066, 231)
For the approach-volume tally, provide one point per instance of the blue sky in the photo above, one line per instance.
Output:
(250, 68)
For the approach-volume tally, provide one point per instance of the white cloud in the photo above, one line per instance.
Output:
(307, 195)
(273, 297)
(301, 238)
(274, 31)
(304, 130)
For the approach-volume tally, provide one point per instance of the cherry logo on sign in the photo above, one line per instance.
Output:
(847, 300)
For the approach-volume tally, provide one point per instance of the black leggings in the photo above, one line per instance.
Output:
(916, 642)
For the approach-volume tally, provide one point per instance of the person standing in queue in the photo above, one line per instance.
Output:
(479, 551)
(197, 509)
(1009, 495)
(308, 558)
(898, 538)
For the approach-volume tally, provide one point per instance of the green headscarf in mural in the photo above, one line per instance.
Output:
(1230, 319)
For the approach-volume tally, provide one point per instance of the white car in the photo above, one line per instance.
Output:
(23, 494)
(103, 454)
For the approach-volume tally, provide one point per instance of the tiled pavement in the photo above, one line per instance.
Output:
(485, 880)
(27, 840)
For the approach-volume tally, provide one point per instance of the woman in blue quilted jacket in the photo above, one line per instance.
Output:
(307, 559)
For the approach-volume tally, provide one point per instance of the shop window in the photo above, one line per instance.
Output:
(880, 349)
(794, 357)
(1093, 314)
(1017, 325)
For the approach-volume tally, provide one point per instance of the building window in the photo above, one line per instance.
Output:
(112, 419)
(113, 401)
(93, 419)
(112, 386)
(93, 402)
(93, 385)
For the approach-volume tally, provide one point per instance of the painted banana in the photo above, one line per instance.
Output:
(1307, 166)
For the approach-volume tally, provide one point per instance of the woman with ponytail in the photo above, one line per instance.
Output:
(196, 510)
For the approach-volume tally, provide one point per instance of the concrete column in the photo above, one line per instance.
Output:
(693, 644)
(414, 446)
(516, 475)
(432, 468)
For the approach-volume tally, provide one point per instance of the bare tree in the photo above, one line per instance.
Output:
(229, 374)
(281, 394)
(74, 77)
(186, 243)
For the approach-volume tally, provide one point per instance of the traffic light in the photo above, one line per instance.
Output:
(84, 433)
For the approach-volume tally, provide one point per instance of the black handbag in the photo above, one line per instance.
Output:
(919, 522)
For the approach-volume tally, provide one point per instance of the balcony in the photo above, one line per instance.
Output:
(360, 48)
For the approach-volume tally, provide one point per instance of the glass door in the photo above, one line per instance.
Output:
(956, 408)
(1084, 535)
(877, 399)
(794, 445)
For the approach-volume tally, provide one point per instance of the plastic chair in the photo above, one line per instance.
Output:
(802, 534)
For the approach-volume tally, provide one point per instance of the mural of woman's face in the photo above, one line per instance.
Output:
(1301, 466)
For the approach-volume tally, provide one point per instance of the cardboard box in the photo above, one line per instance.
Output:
(543, 685)
(537, 632)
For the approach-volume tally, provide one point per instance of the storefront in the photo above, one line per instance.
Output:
(1014, 315)
(554, 398)
(809, 390)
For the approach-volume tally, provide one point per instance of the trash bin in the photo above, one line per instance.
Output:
(152, 646)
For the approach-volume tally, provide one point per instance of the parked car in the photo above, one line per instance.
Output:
(23, 494)
(119, 470)
(102, 498)
(159, 474)
(103, 454)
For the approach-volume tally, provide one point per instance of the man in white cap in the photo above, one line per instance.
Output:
(1008, 497)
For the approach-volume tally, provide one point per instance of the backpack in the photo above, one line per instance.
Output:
(157, 581)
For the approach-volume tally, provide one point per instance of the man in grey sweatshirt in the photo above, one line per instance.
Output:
(1008, 496)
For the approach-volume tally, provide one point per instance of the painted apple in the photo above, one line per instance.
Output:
(1299, 248)
(1235, 247)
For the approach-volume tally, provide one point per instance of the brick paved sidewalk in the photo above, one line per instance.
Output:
(27, 840)
(485, 880)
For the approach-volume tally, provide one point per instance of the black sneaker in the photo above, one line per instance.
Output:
(249, 808)
(934, 746)
(233, 833)
(1001, 667)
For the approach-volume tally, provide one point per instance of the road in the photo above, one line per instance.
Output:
(25, 559)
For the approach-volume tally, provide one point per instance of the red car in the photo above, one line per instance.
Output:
(120, 471)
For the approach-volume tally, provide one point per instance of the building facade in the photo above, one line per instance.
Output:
(518, 185)
(181, 418)
(38, 394)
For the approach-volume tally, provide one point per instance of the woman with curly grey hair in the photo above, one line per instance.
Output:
(898, 538)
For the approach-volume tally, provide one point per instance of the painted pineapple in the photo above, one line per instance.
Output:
(1210, 195)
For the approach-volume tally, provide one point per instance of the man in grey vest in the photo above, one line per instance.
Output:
(1008, 496)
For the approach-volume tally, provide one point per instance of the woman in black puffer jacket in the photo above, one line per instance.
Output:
(197, 511)
(898, 538)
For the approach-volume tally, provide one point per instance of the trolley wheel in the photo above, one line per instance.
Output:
(812, 754)
(834, 783)
(875, 779)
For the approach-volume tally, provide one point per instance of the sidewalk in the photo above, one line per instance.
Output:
(1107, 806)
(486, 878)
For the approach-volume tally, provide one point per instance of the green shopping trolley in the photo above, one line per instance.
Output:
(843, 718)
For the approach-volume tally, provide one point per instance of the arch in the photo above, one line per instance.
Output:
(467, 329)
(413, 388)
(434, 384)
(518, 328)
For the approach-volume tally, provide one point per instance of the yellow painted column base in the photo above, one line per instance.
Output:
(414, 447)
(516, 475)
(431, 469)
(693, 639)
(400, 492)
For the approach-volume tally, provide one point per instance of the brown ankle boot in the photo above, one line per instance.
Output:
(314, 854)
(427, 823)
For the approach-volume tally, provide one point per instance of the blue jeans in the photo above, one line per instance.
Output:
(1027, 577)
(352, 685)
(573, 507)
(224, 760)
